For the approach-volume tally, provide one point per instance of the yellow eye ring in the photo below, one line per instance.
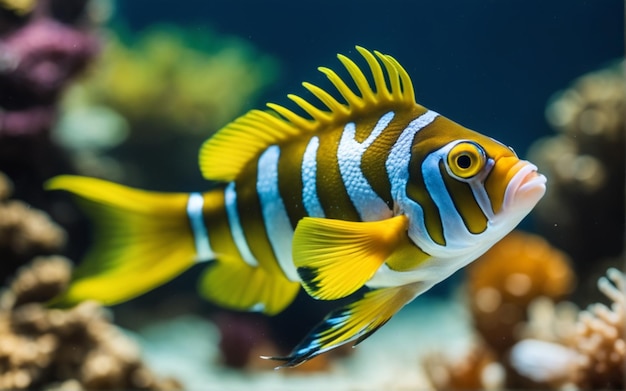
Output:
(466, 159)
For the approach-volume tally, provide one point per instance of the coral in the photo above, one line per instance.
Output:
(55, 348)
(602, 338)
(477, 370)
(198, 83)
(164, 86)
(591, 355)
(41, 51)
(505, 280)
(44, 45)
(583, 209)
(24, 231)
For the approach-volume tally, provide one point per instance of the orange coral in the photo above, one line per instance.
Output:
(504, 281)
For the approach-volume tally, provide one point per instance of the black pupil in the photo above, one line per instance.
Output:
(464, 161)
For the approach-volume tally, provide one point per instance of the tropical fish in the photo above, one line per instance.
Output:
(373, 197)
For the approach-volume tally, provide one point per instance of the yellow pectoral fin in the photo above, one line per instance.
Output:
(353, 322)
(234, 284)
(335, 258)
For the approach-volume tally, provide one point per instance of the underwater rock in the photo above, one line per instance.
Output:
(506, 279)
(583, 209)
(42, 347)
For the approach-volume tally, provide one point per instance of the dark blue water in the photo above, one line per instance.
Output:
(490, 64)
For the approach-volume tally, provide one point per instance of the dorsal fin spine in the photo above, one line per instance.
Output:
(225, 155)
(408, 94)
(326, 98)
(394, 79)
(351, 98)
(359, 78)
(317, 114)
(382, 92)
(292, 117)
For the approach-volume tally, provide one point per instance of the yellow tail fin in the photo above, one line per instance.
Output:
(142, 240)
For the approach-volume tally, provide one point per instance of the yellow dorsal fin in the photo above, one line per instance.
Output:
(224, 155)
(335, 257)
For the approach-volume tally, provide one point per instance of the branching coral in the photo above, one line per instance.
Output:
(41, 347)
(592, 356)
(602, 338)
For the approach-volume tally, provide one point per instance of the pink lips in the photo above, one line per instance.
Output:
(532, 180)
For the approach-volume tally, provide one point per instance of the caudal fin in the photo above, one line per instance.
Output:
(142, 240)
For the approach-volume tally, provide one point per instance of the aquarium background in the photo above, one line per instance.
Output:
(166, 75)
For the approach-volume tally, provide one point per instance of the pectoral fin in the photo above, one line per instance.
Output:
(335, 258)
(353, 322)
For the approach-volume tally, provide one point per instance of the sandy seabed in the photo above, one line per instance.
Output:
(187, 348)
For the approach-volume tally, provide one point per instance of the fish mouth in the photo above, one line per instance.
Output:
(526, 187)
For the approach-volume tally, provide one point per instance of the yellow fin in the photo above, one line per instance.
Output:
(335, 258)
(353, 322)
(223, 156)
(142, 240)
(234, 284)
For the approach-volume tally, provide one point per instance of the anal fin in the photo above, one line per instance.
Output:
(335, 258)
(353, 322)
(234, 284)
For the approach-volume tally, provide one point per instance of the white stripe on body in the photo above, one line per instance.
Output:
(455, 232)
(200, 234)
(397, 165)
(275, 217)
(230, 200)
(310, 199)
(349, 156)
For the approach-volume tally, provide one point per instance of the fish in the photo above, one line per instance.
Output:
(363, 195)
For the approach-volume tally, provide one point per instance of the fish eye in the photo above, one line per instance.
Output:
(466, 159)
